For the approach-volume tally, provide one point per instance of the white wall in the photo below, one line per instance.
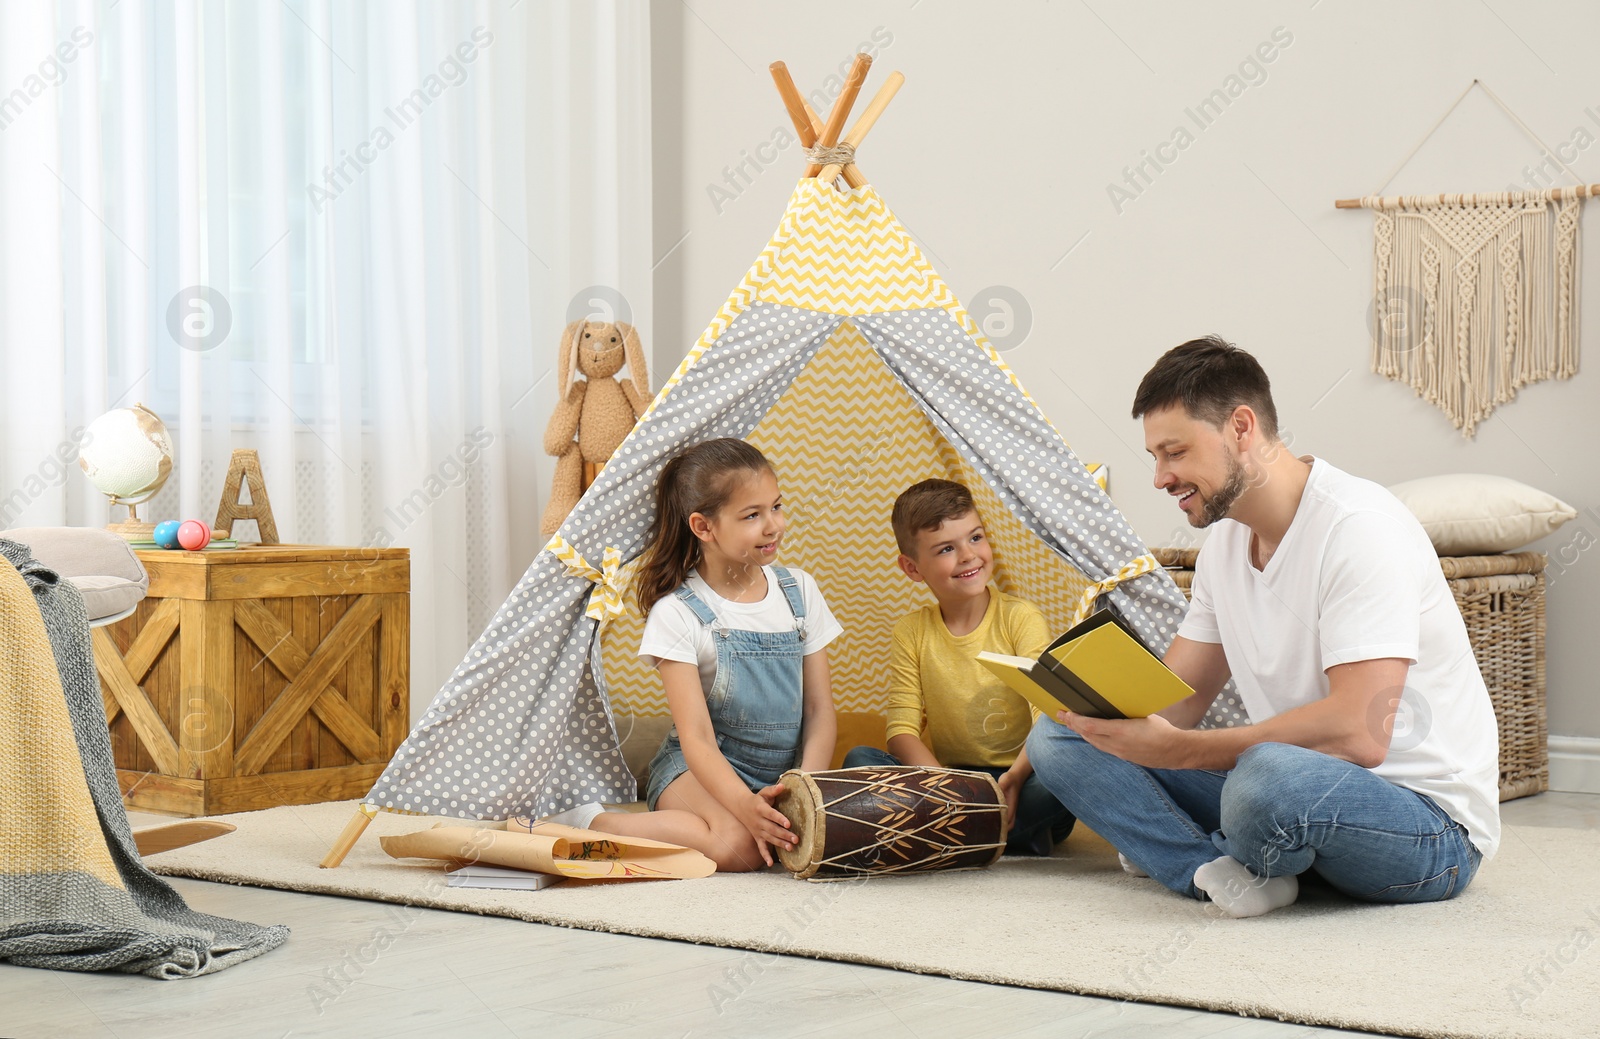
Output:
(1016, 116)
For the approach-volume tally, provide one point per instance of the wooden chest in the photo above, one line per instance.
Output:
(265, 676)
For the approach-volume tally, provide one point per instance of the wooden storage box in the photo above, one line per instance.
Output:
(265, 676)
(1502, 600)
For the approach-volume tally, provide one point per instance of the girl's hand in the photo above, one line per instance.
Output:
(1010, 789)
(765, 823)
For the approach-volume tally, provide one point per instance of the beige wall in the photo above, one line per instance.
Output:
(1016, 116)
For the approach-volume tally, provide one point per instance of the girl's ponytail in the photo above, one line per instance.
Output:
(697, 479)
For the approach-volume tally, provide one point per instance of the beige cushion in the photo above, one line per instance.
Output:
(1469, 514)
(98, 562)
(641, 737)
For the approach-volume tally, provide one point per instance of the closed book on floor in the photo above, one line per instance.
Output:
(1099, 668)
(499, 877)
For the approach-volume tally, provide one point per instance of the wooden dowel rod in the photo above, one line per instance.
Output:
(858, 132)
(806, 123)
(347, 837)
(814, 119)
(852, 173)
(1553, 194)
(793, 103)
(841, 107)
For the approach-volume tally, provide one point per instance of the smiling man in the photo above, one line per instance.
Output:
(1371, 753)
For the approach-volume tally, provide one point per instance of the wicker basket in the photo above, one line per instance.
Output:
(1502, 600)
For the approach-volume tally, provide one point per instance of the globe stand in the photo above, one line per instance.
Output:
(133, 528)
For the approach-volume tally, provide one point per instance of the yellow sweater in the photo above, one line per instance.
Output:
(936, 683)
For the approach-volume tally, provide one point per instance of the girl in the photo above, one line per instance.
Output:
(739, 643)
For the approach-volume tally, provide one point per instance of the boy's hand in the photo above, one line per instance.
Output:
(765, 823)
(1010, 789)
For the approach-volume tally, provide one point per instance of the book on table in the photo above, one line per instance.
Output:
(480, 876)
(1099, 668)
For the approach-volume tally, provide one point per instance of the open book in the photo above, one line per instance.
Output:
(1099, 669)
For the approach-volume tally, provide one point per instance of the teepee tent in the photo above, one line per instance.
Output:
(848, 361)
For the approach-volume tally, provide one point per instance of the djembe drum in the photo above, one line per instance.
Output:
(877, 821)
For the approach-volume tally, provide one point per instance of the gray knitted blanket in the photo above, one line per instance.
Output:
(74, 894)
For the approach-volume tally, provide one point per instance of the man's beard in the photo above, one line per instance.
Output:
(1216, 506)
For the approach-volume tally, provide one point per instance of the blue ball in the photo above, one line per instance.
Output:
(166, 534)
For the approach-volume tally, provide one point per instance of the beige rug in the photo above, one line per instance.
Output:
(1517, 955)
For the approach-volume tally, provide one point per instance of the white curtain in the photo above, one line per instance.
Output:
(344, 234)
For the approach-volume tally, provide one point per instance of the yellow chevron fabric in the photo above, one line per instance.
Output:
(843, 252)
(846, 439)
(605, 602)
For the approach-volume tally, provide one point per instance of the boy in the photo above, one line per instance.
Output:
(974, 721)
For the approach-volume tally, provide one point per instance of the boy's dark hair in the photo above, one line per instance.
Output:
(925, 505)
(1210, 377)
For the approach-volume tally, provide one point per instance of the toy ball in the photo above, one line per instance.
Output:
(194, 535)
(166, 534)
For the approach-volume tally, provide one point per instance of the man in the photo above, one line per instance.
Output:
(1371, 753)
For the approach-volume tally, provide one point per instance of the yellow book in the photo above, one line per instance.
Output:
(1099, 669)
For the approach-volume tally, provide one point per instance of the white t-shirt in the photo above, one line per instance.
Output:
(1356, 578)
(673, 632)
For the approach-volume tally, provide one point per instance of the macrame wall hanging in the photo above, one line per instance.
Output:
(1475, 296)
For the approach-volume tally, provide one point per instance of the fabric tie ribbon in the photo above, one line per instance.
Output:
(606, 602)
(1138, 568)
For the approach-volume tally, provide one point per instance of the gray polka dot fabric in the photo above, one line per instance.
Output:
(523, 725)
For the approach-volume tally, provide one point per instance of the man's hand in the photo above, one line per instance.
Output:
(1152, 742)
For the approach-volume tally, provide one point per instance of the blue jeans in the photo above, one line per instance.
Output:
(1042, 822)
(1281, 811)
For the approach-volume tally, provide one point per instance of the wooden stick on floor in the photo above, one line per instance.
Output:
(348, 836)
(152, 840)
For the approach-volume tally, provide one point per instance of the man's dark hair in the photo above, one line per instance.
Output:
(1210, 377)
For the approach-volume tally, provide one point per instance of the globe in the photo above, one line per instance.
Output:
(127, 456)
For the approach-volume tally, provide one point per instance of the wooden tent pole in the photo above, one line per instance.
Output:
(793, 103)
(852, 173)
(807, 124)
(841, 107)
(858, 132)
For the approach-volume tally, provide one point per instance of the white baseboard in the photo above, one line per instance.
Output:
(1575, 764)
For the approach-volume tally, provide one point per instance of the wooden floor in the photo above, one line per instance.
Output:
(355, 968)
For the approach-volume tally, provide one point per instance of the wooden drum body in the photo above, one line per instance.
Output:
(875, 821)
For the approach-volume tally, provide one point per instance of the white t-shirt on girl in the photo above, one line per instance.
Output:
(673, 632)
(1355, 578)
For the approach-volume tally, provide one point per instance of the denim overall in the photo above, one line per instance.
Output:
(755, 700)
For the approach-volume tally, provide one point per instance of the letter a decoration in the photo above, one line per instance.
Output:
(246, 465)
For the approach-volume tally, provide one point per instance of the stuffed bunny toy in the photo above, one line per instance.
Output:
(596, 412)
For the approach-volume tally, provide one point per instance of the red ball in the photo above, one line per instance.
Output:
(194, 535)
